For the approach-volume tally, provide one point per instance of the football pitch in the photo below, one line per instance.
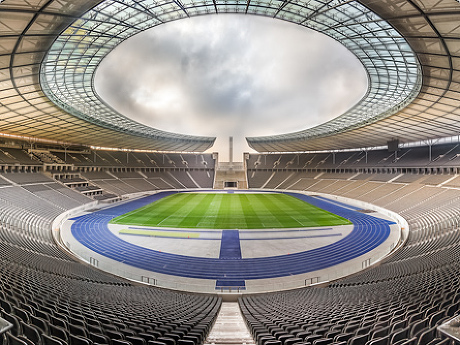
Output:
(230, 211)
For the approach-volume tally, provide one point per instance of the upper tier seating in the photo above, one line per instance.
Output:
(136, 159)
(17, 156)
(445, 155)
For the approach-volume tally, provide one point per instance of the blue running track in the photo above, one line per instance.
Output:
(368, 233)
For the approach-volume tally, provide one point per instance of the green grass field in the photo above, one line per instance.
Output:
(230, 211)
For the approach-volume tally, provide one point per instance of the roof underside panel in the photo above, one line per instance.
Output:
(27, 31)
(393, 71)
(414, 79)
(432, 29)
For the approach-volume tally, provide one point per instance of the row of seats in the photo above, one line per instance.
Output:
(100, 158)
(50, 299)
(137, 159)
(148, 181)
(273, 179)
(443, 155)
(53, 300)
(400, 301)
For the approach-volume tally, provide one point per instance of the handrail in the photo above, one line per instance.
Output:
(5, 325)
(451, 329)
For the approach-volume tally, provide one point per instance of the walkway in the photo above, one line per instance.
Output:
(229, 328)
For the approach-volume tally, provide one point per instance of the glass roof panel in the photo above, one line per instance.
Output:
(430, 27)
(394, 74)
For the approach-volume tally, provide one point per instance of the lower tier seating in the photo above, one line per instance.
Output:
(400, 301)
(52, 299)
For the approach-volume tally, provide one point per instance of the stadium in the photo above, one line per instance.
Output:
(113, 232)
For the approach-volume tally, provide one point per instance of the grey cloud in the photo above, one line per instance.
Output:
(231, 75)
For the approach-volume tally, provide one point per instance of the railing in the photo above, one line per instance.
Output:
(230, 166)
(5, 325)
(231, 289)
(451, 329)
(208, 286)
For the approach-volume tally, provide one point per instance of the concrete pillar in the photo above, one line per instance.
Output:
(230, 153)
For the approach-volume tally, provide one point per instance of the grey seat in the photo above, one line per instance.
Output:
(78, 340)
(379, 341)
(48, 340)
(31, 333)
(136, 340)
(12, 340)
(185, 342)
(121, 342)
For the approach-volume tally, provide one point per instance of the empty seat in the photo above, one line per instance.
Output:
(136, 340)
(400, 335)
(273, 342)
(59, 332)
(31, 333)
(78, 340)
(49, 340)
(99, 338)
(293, 341)
(185, 342)
(167, 341)
(78, 330)
(323, 341)
(146, 336)
(12, 340)
(379, 341)
(121, 342)
(359, 339)
(417, 328)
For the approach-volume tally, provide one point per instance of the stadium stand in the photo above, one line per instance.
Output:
(51, 299)
(17, 156)
(25, 178)
(435, 158)
(105, 175)
(402, 300)
(409, 50)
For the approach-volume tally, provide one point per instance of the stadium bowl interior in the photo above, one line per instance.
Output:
(62, 148)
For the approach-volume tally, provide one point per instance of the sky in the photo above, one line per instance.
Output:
(230, 75)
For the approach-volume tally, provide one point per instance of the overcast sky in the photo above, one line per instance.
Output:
(231, 75)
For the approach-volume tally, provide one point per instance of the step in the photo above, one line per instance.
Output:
(230, 328)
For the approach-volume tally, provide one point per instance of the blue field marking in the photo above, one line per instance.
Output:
(342, 204)
(230, 284)
(368, 233)
(230, 249)
(230, 245)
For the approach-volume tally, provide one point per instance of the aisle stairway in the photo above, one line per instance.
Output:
(230, 175)
(230, 328)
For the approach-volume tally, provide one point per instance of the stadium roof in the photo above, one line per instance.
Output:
(50, 49)
(432, 29)
(28, 29)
